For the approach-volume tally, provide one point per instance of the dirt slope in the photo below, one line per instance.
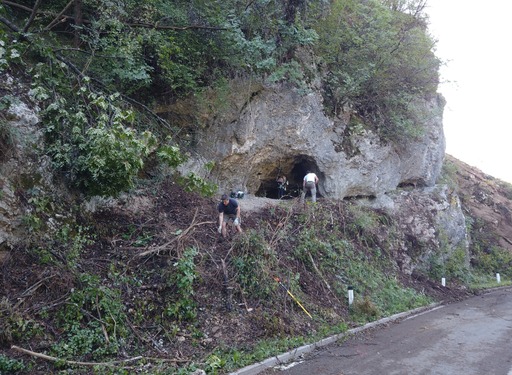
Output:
(487, 199)
(139, 241)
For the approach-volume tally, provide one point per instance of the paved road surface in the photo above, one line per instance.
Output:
(472, 337)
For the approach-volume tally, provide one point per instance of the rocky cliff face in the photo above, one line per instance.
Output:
(486, 203)
(19, 168)
(432, 224)
(277, 130)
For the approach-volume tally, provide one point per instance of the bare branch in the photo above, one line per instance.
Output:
(178, 28)
(157, 249)
(58, 17)
(32, 16)
(55, 359)
(9, 24)
(78, 21)
(62, 17)
(16, 5)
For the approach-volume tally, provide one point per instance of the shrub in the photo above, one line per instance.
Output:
(94, 312)
(184, 308)
(10, 366)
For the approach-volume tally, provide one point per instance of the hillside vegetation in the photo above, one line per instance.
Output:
(119, 268)
(145, 284)
(99, 69)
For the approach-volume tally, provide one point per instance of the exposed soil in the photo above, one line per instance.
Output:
(488, 199)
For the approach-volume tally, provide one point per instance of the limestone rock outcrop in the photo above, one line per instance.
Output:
(431, 224)
(278, 130)
(23, 137)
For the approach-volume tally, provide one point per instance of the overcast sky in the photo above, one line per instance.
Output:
(474, 38)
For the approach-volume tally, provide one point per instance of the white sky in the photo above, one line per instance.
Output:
(475, 39)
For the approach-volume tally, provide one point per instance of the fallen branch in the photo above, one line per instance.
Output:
(227, 289)
(322, 277)
(59, 17)
(280, 227)
(54, 359)
(156, 249)
(30, 291)
(506, 239)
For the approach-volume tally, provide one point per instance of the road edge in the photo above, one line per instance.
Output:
(284, 358)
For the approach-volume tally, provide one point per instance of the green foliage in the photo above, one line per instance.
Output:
(234, 358)
(373, 57)
(138, 238)
(10, 365)
(10, 51)
(480, 281)
(184, 308)
(111, 158)
(378, 61)
(456, 265)
(254, 263)
(90, 135)
(7, 133)
(104, 158)
(487, 257)
(364, 310)
(82, 341)
(436, 267)
(507, 188)
(393, 298)
(451, 265)
(492, 261)
(363, 224)
(77, 238)
(449, 175)
(93, 313)
(32, 222)
(448, 262)
(483, 237)
(192, 182)
(54, 236)
(289, 72)
(214, 363)
(170, 155)
(14, 326)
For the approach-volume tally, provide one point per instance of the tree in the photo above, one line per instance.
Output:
(377, 60)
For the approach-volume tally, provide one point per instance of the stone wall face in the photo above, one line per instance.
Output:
(279, 130)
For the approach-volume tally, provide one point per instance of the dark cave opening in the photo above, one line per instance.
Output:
(294, 171)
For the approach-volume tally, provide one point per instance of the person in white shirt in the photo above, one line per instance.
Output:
(309, 184)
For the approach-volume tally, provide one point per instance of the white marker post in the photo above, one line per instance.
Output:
(498, 279)
(443, 281)
(350, 295)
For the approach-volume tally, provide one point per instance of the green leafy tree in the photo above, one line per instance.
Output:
(102, 63)
(377, 61)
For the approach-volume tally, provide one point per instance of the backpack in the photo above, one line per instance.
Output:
(237, 194)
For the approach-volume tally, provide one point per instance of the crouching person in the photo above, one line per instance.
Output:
(229, 211)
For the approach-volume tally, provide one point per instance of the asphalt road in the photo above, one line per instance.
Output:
(472, 337)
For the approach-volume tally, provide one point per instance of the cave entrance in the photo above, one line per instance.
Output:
(294, 170)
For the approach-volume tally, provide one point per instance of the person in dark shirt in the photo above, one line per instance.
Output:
(229, 211)
(281, 186)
